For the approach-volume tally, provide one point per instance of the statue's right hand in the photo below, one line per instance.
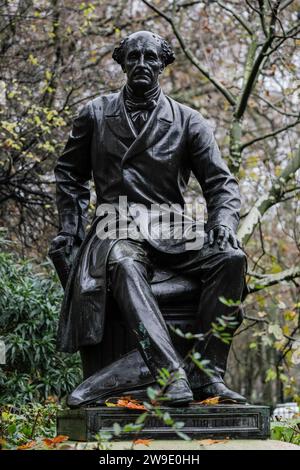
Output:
(63, 240)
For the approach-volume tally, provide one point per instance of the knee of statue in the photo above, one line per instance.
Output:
(235, 258)
(123, 264)
(125, 259)
(128, 252)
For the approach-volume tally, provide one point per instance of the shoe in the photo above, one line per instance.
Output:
(220, 390)
(126, 376)
(178, 393)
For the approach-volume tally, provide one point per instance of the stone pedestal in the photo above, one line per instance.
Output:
(201, 422)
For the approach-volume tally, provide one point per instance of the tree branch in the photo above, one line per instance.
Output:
(268, 200)
(278, 110)
(279, 40)
(192, 58)
(236, 16)
(269, 280)
(285, 4)
(262, 13)
(252, 7)
(271, 134)
(248, 87)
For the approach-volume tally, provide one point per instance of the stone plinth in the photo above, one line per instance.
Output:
(201, 422)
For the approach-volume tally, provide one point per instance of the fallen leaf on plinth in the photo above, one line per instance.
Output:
(210, 401)
(26, 446)
(55, 440)
(209, 442)
(125, 402)
(109, 403)
(114, 401)
(144, 442)
(135, 405)
(214, 401)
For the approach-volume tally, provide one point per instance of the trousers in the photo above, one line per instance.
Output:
(221, 274)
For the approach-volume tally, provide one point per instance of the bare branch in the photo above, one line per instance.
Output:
(279, 40)
(252, 7)
(270, 134)
(268, 200)
(280, 111)
(269, 280)
(257, 64)
(262, 13)
(236, 16)
(285, 4)
(192, 58)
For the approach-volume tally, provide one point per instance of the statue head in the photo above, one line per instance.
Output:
(143, 56)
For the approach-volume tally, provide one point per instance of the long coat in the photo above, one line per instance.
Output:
(151, 167)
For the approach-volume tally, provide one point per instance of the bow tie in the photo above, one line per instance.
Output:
(139, 118)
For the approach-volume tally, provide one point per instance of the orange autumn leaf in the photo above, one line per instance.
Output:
(144, 442)
(125, 402)
(56, 440)
(210, 401)
(134, 404)
(209, 442)
(214, 401)
(47, 442)
(26, 446)
(60, 438)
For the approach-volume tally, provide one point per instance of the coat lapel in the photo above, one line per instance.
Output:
(118, 120)
(155, 128)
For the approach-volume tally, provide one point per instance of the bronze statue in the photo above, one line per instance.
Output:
(142, 144)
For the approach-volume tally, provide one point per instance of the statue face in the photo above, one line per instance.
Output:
(142, 61)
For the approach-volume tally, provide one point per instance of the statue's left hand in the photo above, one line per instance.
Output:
(222, 235)
(63, 240)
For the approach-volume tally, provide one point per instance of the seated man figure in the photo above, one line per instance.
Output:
(143, 145)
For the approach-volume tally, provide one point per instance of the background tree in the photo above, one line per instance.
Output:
(238, 64)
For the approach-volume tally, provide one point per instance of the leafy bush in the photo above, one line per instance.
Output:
(286, 430)
(20, 425)
(29, 305)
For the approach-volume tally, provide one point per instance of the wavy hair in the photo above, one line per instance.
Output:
(167, 53)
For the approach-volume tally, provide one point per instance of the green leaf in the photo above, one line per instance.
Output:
(152, 393)
(141, 418)
(229, 302)
(182, 435)
(117, 429)
(276, 330)
(270, 375)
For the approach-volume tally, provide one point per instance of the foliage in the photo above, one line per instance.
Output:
(29, 304)
(287, 431)
(270, 331)
(21, 425)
